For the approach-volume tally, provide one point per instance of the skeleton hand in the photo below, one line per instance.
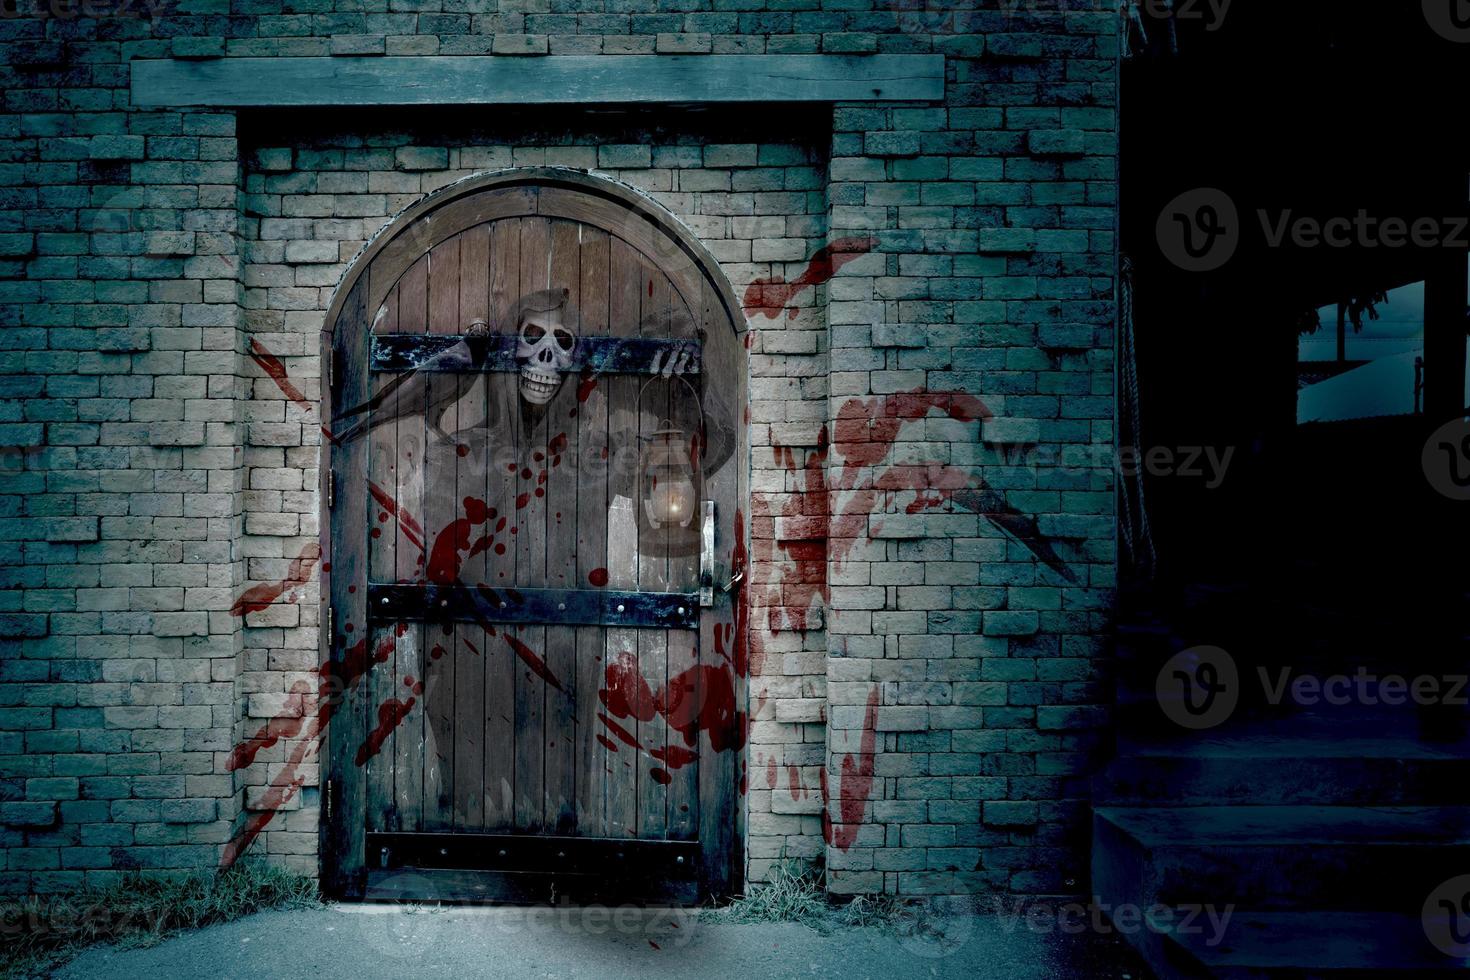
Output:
(677, 361)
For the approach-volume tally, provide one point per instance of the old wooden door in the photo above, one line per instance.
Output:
(533, 550)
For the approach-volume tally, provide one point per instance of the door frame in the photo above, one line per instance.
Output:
(674, 249)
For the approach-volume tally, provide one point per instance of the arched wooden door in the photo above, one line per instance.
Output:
(533, 550)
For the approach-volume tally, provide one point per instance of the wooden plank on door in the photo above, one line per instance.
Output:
(653, 574)
(593, 757)
(531, 690)
(560, 466)
(471, 451)
(683, 646)
(720, 646)
(504, 411)
(345, 566)
(383, 533)
(443, 508)
(620, 657)
(408, 739)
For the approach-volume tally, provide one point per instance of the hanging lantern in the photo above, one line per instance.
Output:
(669, 497)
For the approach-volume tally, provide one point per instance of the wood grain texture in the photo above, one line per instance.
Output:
(491, 80)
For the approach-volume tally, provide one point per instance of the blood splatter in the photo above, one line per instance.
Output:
(445, 556)
(410, 526)
(663, 779)
(772, 294)
(286, 724)
(855, 786)
(627, 695)
(390, 715)
(586, 385)
(271, 365)
(261, 596)
(531, 660)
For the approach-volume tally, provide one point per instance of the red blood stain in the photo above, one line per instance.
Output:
(271, 365)
(627, 695)
(390, 715)
(663, 779)
(771, 772)
(261, 596)
(461, 450)
(771, 295)
(793, 780)
(675, 756)
(866, 428)
(586, 386)
(531, 660)
(699, 699)
(855, 786)
(651, 942)
(445, 556)
(411, 528)
(607, 743)
(473, 648)
(624, 736)
(286, 724)
(336, 678)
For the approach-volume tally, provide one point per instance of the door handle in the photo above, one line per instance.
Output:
(707, 556)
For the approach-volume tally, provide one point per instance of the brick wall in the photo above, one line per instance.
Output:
(928, 689)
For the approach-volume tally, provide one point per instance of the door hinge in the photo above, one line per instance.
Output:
(331, 489)
(331, 631)
(327, 801)
(331, 369)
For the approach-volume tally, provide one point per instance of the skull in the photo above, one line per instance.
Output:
(544, 349)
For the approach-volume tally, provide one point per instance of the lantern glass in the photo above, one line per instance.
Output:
(669, 497)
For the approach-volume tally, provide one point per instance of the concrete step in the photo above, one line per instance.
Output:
(1277, 858)
(1289, 764)
(1340, 945)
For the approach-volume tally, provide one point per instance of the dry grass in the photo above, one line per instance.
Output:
(41, 933)
(794, 893)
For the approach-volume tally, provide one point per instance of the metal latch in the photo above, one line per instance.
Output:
(707, 556)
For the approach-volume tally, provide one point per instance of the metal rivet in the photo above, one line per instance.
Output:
(502, 605)
(562, 606)
(385, 600)
(443, 603)
(681, 610)
(443, 852)
(561, 854)
(620, 607)
(679, 859)
(501, 853)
